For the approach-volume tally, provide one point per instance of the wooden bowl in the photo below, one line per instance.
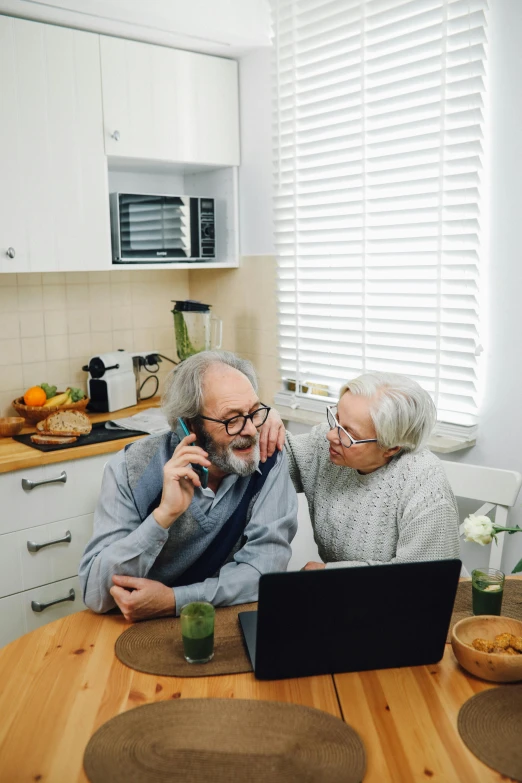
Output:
(494, 667)
(11, 425)
(35, 413)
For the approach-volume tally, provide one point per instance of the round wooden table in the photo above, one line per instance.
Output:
(59, 683)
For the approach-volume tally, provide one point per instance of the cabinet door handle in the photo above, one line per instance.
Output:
(115, 135)
(10, 252)
(36, 606)
(61, 479)
(32, 546)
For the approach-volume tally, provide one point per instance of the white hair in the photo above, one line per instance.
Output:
(183, 393)
(402, 412)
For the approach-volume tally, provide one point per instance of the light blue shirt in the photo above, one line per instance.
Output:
(124, 544)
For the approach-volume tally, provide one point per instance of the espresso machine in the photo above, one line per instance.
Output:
(195, 328)
(111, 384)
(116, 379)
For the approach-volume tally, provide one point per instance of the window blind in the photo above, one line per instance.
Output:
(378, 147)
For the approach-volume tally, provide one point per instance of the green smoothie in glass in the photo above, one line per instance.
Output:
(197, 631)
(487, 587)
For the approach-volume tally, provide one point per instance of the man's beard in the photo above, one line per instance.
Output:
(223, 457)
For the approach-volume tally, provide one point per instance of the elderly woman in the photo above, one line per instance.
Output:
(374, 493)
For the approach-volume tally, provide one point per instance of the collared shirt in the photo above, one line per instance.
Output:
(123, 543)
(208, 498)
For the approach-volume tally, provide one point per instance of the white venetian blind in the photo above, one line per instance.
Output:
(378, 146)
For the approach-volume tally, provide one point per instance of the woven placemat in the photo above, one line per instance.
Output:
(219, 740)
(155, 646)
(511, 602)
(490, 723)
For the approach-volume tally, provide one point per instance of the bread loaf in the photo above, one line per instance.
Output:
(66, 423)
(43, 439)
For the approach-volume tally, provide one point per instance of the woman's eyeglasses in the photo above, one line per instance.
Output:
(347, 441)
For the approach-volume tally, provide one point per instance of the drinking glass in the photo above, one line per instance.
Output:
(487, 586)
(197, 631)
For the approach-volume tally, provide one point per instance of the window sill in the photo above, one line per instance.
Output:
(439, 444)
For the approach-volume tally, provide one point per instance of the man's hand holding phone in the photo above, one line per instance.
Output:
(179, 480)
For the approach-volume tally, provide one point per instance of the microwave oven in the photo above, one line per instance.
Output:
(158, 228)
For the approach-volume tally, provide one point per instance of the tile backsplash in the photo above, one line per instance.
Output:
(52, 323)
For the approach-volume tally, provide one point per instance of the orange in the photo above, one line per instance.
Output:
(35, 396)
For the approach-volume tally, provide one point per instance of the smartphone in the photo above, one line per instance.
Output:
(182, 431)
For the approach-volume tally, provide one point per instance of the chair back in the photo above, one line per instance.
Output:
(495, 489)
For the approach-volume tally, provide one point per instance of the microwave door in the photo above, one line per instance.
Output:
(154, 228)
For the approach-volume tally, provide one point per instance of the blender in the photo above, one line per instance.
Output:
(195, 328)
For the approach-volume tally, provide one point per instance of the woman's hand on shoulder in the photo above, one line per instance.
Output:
(271, 435)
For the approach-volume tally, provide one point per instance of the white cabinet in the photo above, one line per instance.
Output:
(18, 613)
(40, 555)
(54, 211)
(168, 104)
(44, 529)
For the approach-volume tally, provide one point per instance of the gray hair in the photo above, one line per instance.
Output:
(402, 412)
(183, 393)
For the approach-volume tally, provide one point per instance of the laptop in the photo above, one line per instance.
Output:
(350, 619)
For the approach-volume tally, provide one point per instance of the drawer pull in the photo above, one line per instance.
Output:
(36, 606)
(61, 479)
(32, 546)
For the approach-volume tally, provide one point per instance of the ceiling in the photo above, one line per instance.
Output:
(229, 28)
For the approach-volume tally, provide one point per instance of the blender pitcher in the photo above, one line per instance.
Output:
(195, 328)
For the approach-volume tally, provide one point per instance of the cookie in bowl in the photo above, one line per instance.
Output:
(487, 647)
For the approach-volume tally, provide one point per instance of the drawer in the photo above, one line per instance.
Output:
(22, 569)
(27, 508)
(48, 594)
(12, 622)
(17, 617)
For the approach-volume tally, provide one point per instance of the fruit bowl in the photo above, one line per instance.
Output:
(494, 667)
(34, 413)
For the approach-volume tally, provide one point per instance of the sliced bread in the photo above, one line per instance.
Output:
(66, 423)
(43, 439)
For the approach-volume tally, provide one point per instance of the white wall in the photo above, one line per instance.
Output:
(500, 437)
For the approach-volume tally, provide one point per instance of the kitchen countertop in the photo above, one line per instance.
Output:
(15, 456)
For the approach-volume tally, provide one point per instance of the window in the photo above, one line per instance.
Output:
(378, 147)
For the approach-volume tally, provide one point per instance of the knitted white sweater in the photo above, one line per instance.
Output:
(404, 511)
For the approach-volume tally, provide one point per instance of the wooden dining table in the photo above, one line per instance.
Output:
(61, 682)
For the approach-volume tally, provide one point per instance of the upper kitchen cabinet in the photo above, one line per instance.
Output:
(54, 211)
(168, 104)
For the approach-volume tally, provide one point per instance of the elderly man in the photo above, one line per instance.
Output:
(160, 539)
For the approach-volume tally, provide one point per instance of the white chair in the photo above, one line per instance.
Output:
(494, 488)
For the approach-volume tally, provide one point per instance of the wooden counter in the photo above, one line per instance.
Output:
(15, 456)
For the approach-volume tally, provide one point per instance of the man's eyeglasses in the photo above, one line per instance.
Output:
(237, 424)
(347, 441)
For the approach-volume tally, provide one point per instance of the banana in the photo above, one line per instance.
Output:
(59, 399)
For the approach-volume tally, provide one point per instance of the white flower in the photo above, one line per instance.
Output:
(479, 529)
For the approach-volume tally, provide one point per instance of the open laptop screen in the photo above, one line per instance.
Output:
(353, 619)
